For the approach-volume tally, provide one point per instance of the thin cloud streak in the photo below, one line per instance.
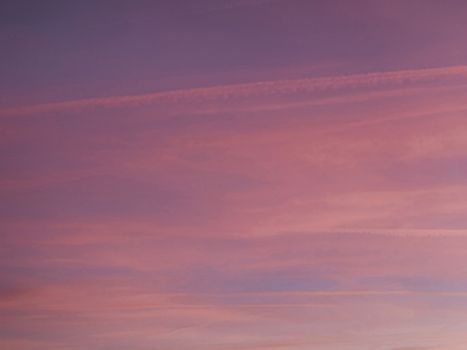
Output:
(249, 90)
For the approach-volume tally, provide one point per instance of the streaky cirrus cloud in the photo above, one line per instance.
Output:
(295, 179)
(252, 89)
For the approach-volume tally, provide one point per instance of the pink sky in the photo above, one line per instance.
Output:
(233, 175)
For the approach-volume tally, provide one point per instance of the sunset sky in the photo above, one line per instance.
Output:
(233, 175)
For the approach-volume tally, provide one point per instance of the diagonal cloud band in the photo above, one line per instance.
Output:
(246, 90)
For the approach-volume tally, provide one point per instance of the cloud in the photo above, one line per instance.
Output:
(248, 90)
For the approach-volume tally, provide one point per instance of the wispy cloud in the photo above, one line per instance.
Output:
(295, 179)
(264, 88)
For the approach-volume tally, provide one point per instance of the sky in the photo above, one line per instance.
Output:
(233, 175)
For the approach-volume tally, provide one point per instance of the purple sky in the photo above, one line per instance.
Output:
(233, 175)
